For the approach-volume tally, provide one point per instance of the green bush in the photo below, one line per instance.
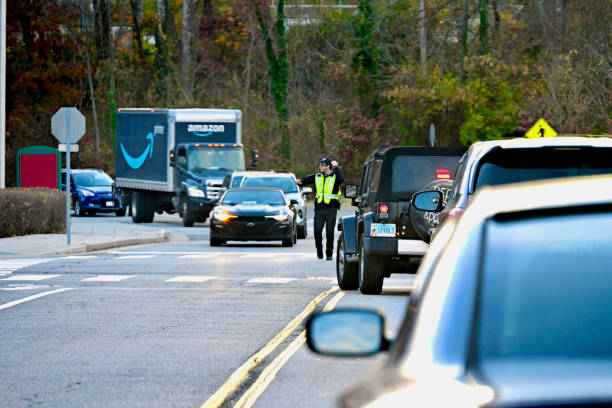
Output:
(25, 211)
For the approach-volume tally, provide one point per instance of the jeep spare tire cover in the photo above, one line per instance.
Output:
(423, 221)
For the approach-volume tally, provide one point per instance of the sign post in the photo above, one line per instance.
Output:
(68, 126)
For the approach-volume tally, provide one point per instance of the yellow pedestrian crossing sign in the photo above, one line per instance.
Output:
(541, 129)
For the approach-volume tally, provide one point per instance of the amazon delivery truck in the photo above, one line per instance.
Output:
(174, 160)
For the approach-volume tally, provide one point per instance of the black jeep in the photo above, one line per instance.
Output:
(385, 236)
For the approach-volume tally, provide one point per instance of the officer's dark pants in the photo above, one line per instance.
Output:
(324, 217)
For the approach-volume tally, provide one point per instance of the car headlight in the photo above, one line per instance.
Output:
(195, 192)
(221, 214)
(281, 216)
(87, 193)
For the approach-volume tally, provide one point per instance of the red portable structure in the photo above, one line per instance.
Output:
(38, 166)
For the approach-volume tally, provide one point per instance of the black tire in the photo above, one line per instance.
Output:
(77, 209)
(91, 213)
(423, 221)
(302, 232)
(295, 234)
(288, 242)
(142, 210)
(121, 212)
(346, 272)
(187, 213)
(371, 272)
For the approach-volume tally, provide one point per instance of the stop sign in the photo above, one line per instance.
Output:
(68, 122)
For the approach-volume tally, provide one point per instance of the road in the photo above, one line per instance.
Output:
(176, 324)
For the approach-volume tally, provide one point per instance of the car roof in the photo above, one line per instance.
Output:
(269, 174)
(542, 194)
(520, 143)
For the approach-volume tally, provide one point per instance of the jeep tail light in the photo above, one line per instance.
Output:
(382, 211)
(442, 174)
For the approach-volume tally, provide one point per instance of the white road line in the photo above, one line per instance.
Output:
(108, 278)
(197, 256)
(136, 257)
(27, 299)
(261, 255)
(192, 279)
(28, 277)
(79, 257)
(270, 280)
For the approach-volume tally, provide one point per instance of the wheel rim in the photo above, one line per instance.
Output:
(340, 260)
(361, 267)
(134, 208)
(77, 208)
(185, 207)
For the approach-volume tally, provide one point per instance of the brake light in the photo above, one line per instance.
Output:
(442, 174)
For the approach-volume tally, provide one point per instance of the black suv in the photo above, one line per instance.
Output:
(384, 236)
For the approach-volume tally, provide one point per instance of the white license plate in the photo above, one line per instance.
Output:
(382, 230)
(110, 204)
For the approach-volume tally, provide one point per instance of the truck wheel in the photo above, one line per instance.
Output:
(142, 211)
(188, 214)
(371, 273)
(346, 272)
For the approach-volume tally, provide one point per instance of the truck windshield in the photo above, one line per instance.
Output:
(215, 158)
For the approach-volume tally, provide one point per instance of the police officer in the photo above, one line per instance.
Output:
(327, 202)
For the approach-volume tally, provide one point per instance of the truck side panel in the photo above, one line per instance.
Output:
(141, 151)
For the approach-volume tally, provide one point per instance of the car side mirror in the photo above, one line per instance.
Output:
(347, 333)
(293, 202)
(430, 200)
(306, 190)
(351, 191)
(172, 161)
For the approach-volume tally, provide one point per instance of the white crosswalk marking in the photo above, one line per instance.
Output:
(197, 256)
(191, 279)
(80, 257)
(28, 277)
(108, 278)
(8, 266)
(271, 280)
(137, 257)
(259, 255)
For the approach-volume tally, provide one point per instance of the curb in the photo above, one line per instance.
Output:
(165, 237)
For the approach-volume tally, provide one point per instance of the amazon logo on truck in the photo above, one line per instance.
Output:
(136, 162)
(205, 130)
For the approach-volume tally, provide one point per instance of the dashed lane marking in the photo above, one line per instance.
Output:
(191, 279)
(270, 280)
(137, 257)
(197, 256)
(28, 277)
(108, 278)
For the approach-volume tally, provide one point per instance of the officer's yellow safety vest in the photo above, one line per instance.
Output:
(324, 186)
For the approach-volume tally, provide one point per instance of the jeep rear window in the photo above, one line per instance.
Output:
(412, 173)
(515, 165)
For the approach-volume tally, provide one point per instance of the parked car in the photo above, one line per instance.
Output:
(382, 237)
(510, 307)
(254, 214)
(287, 183)
(234, 179)
(498, 162)
(92, 192)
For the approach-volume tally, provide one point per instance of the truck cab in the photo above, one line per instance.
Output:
(198, 178)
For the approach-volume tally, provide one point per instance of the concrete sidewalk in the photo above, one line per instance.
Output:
(87, 234)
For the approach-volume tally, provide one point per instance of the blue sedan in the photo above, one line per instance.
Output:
(92, 192)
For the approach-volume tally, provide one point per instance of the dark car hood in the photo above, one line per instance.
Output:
(252, 210)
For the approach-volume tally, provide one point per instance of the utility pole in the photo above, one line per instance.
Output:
(2, 93)
(423, 36)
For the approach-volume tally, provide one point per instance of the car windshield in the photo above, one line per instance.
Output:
(287, 184)
(253, 197)
(215, 158)
(92, 179)
(236, 181)
(505, 166)
(546, 288)
(411, 173)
